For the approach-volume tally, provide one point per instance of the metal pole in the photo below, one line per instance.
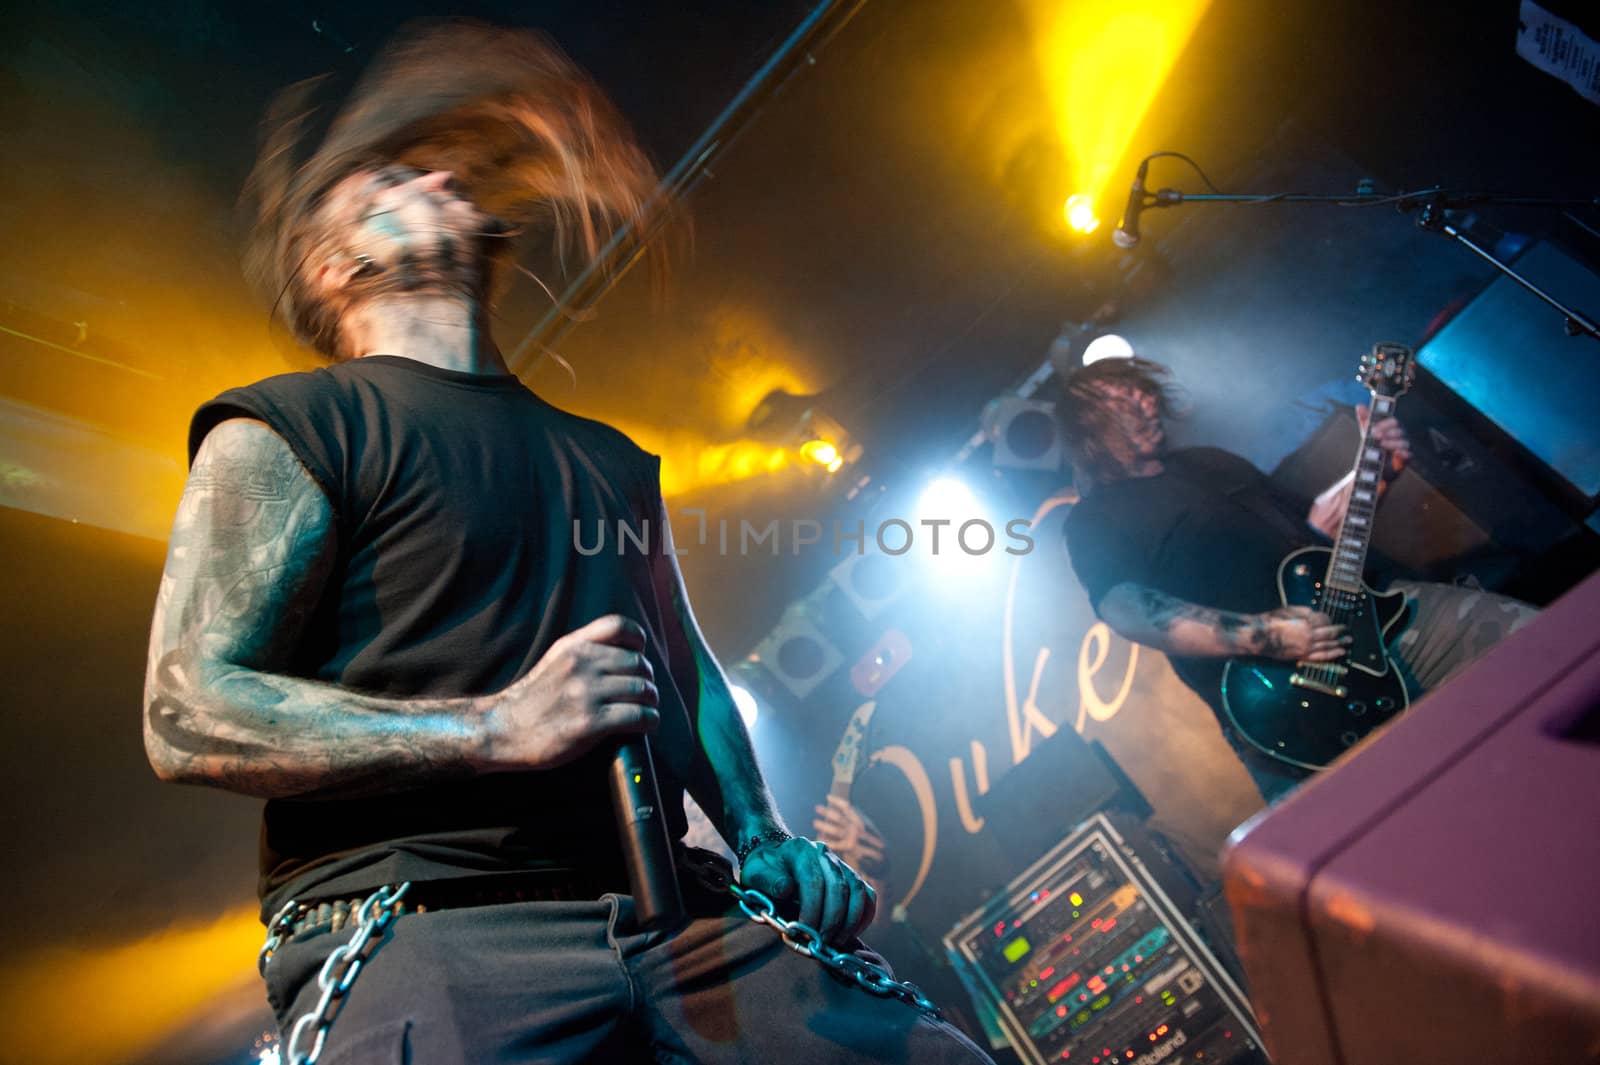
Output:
(626, 245)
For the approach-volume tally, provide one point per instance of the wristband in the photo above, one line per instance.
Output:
(752, 843)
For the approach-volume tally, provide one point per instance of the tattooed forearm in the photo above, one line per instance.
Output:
(277, 736)
(723, 775)
(250, 552)
(1175, 626)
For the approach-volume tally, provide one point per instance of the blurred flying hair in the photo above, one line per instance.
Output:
(1087, 419)
(531, 140)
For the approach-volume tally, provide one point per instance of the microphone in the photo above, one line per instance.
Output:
(1126, 235)
(646, 850)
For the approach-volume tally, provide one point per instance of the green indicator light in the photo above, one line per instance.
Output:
(1016, 949)
(638, 777)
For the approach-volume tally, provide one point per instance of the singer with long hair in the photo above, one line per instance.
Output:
(373, 616)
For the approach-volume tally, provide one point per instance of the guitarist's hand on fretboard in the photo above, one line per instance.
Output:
(1391, 437)
(1328, 509)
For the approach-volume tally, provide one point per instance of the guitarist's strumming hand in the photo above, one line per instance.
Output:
(1296, 634)
(1172, 625)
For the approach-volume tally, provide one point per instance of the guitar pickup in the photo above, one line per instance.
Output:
(1338, 691)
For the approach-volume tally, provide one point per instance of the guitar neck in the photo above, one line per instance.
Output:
(1355, 533)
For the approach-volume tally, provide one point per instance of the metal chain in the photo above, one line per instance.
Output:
(338, 971)
(803, 939)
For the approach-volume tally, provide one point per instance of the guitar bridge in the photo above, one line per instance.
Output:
(1338, 691)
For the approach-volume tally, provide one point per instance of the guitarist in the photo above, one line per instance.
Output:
(1179, 549)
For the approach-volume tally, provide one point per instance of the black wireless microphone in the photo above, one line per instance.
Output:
(646, 848)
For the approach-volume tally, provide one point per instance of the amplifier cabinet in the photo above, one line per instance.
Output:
(1085, 958)
(1434, 897)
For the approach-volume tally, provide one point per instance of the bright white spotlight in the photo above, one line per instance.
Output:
(948, 498)
(746, 704)
(953, 533)
(1108, 346)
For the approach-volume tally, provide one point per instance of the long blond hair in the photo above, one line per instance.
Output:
(530, 138)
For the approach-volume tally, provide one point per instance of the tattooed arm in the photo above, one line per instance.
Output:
(722, 773)
(1292, 633)
(251, 550)
(726, 781)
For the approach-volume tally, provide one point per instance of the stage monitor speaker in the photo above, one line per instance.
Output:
(1507, 355)
(1085, 958)
(1464, 495)
(1065, 780)
(1431, 898)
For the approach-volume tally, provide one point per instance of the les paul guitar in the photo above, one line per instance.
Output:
(1308, 713)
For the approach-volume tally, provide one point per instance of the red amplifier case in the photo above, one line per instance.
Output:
(1435, 897)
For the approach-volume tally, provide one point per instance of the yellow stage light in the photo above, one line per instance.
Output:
(823, 453)
(1102, 62)
(1080, 214)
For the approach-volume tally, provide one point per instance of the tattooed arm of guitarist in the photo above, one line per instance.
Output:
(1174, 626)
(251, 550)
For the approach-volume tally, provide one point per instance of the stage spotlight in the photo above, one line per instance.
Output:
(947, 497)
(966, 539)
(823, 453)
(797, 654)
(746, 704)
(1080, 215)
(790, 421)
(872, 580)
(1107, 346)
(1025, 433)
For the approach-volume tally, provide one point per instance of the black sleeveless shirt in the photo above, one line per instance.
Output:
(460, 501)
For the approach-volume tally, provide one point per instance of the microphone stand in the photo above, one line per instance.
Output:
(1432, 207)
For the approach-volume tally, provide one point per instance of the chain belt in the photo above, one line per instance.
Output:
(374, 913)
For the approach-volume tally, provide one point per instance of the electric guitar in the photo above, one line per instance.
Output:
(1308, 713)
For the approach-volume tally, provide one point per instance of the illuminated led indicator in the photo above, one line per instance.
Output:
(1016, 949)
(638, 777)
(1075, 898)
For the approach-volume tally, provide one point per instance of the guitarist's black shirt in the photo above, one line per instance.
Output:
(1210, 529)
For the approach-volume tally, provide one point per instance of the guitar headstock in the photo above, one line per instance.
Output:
(1387, 370)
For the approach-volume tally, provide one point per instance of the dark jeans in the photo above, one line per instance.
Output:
(563, 982)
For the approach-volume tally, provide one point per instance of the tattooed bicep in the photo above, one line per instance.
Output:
(1129, 605)
(251, 547)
